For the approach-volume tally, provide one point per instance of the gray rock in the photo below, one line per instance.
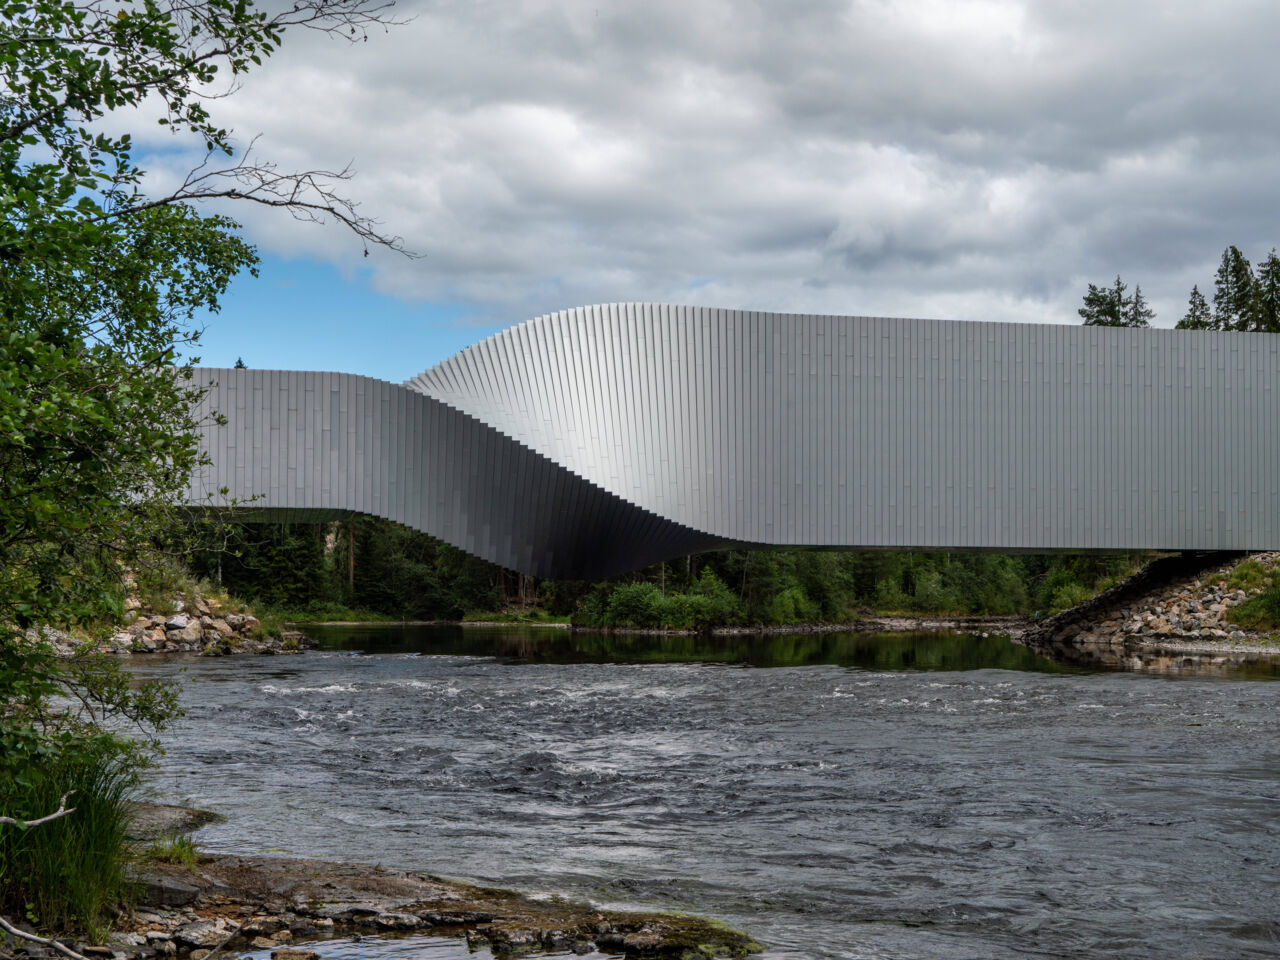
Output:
(188, 634)
(397, 921)
(203, 933)
(160, 891)
(348, 911)
(179, 621)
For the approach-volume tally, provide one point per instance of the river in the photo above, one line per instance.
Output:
(839, 796)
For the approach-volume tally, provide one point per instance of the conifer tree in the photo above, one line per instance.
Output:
(1197, 316)
(1106, 307)
(1234, 293)
(1268, 294)
(1138, 313)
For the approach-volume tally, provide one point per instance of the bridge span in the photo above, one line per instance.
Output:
(596, 440)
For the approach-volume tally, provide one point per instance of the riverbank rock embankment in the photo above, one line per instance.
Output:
(1170, 617)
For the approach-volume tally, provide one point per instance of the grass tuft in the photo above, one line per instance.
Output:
(178, 848)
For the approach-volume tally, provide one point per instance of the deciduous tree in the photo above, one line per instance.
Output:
(99, 281)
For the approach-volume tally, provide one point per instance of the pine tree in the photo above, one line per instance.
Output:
(1197, 316)
(1138, 314)
(1268, 294)
(1106, 307)
(1234, 293)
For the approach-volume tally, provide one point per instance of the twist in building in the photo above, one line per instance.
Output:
(592, 441)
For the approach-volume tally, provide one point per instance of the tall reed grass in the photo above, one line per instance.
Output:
(68, 874)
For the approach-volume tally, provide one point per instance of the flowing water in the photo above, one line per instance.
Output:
(837, 795)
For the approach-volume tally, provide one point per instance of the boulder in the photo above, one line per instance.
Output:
(221, 627)
(178, 621)
(158, 890)
(188, 634)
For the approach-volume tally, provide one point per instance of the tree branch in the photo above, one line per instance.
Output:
(54, 944)
(61, 812)
(308, 195)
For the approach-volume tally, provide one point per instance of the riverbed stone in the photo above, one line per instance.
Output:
(203, 933)
(348, 912)
(293, 953)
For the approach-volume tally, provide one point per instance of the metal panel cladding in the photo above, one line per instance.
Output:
(595, 440)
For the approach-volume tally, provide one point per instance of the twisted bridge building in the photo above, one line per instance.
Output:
(592, 441)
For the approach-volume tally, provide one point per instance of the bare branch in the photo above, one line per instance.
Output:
(62, 811)
(23, 935)
(309, 195)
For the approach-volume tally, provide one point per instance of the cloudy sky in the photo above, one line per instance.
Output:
(943, 158)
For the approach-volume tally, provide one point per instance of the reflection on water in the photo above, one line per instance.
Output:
(872, 651)
(854, 796)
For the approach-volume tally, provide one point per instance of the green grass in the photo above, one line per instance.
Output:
(179, 848)
(1250, 576)
(68, 874)
(1260, 612)
(324, 613)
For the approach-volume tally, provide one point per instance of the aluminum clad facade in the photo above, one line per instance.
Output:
(595, 440)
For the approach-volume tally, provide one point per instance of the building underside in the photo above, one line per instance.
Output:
(593, 441)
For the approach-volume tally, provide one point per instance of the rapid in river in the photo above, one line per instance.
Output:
(855, 795)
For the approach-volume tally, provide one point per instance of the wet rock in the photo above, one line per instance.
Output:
(261, 927)
(292, 953)
(347, 912)
(397, 921)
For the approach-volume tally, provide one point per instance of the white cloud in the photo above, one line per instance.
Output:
(978, 159)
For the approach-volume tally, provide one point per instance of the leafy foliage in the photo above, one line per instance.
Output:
(99, 283)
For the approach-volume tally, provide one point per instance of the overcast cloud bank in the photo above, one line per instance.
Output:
(967, 160)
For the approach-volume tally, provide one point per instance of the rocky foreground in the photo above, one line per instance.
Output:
(232, 904)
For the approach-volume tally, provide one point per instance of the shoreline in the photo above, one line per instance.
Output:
(896, 623)
(281, 903)
(1133, 654)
